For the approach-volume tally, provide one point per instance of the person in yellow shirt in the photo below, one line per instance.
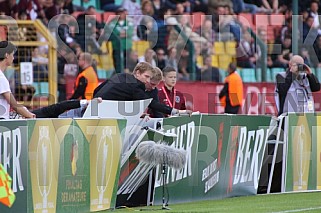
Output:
(87, 79)
(231, 96)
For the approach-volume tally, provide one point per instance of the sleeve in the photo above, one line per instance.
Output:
(224, 91)
(139, 94)
(155, 114)
(4, 85)
(80, 90)
(283, 84)
(314, 83)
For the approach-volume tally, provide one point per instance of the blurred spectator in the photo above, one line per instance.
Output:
(282, 59)
(247, 52)
(199, 6)
(286, 29)
(272, 5)
(172, 61)
(208, 72)
(147, 24)
(160, 6)
(148, 57)
(314, 7)
(315, 53)
(69, 7)
(89, 27)
(33, 9)
(206, 31)
(180, 9)
(310, 32)
(161, 58)
(183, 72)
(55, 9)
(131, 62)
(132, 7)
(39, 66)
(109, 5)
(227, 26)
(263, 6)
(9, 8)
(122, 29)
(214, 4)
(175, 38)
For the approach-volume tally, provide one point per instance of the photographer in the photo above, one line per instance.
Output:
(295, 87)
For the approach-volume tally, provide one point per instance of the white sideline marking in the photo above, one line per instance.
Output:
(299, 210)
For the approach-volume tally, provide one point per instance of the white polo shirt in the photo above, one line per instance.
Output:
(4, 105)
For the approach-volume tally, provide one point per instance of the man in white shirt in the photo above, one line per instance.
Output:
(7, 50)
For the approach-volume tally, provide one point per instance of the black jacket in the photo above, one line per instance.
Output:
(284, 84)
(125, 87)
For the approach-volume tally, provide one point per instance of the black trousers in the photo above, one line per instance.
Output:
(54, 110)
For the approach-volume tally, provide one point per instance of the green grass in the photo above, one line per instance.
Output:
(287, 202)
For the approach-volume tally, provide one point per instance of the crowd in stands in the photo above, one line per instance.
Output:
(218, 30)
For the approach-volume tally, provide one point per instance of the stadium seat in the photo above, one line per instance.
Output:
(214, 61)
(275, 71)
(197, 19)
(140, 47)
(108, 16)
(248, 75)
(230, 48)
(261, 20)
(318, 73)
(277, 20)
(42, 88)
(219, 48)
(246, 19)
(199, 61)
(224, 61)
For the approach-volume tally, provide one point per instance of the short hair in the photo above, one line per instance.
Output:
(232, 66)
(158, 75)
(167, 70)
(142, 67)
(6, 47)
(87, 57)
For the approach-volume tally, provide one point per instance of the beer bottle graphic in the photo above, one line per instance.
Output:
(104, 145)
(300, 158)
(44, 167)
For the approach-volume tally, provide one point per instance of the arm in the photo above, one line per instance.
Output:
(314, 82)
(80, 90)
(20, 109)
(224, 91)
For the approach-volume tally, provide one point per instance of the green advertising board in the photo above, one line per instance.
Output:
(224, 157)
(302, 153)
(14, 158)
(62, 165)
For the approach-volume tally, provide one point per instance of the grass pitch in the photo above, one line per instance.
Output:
(276, 203)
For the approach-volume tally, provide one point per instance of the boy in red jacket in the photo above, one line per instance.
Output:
(168, 95)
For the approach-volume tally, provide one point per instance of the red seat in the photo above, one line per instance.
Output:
(108, 16)
(246, 19)
(261, 20)
(277, 20)
(197, 19)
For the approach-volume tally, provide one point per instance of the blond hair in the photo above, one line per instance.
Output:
(142, 67)
(158, 75)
